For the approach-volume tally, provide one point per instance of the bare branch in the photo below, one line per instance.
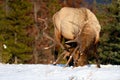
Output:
(49, 37)
(63, 53)
(50, 46)
(71, 56)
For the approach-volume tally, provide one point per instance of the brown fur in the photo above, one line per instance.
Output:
(68, 22)
(87, 40)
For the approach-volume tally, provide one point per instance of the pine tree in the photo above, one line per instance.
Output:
(13, 31)
(110, 39)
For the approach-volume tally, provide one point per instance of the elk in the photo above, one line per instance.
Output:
(78, 25)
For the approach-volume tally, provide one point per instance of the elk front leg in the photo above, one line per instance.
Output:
(96, 56)
(58, 43)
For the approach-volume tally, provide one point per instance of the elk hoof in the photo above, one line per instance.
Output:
(98, 66)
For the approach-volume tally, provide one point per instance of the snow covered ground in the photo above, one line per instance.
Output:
(51, 72)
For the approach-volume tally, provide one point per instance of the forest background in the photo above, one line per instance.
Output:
(21, 31)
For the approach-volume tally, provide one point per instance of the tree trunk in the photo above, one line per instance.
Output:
(15, 57)
(6, 7)
(35, 52)
(0, 52)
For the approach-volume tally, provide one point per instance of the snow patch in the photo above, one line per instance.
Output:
(51, 72)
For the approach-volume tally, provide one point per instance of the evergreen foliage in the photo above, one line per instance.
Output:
(13, 25)
(110, 35)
